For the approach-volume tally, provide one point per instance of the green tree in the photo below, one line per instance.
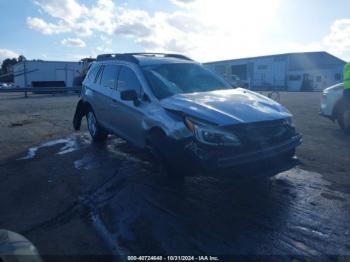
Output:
(21, 58)
(6, 74)
(7, 64)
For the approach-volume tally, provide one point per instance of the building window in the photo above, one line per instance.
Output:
(294, 77)
(337, 77)
(262, 67)
(279, 59)
(219, 69)
(240, 70)
(318, 78)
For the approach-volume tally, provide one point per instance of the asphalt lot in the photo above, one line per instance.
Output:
(69, 196)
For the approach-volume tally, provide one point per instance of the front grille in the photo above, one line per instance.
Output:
(262, 134)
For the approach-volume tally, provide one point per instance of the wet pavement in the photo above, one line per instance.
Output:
(273, 208)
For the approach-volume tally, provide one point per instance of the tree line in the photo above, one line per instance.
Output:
(6, 72)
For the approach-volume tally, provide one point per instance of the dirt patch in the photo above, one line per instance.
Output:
(20, 123)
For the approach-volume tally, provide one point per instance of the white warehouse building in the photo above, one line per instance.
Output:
(29, 74)
(293, 71)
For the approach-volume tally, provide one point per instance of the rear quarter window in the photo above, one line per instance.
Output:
(109, 76)
(93, 73)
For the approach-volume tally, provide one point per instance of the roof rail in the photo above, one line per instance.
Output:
(123, 57)
(164, 55)
(130, 57)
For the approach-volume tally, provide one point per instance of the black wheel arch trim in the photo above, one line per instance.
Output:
(80, 111)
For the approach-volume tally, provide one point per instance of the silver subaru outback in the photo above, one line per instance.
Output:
(184, 114)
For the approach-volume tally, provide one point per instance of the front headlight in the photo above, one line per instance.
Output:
(210, 135)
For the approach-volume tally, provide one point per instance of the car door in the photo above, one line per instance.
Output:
(91, 86)
(127, 116)
(105, 87)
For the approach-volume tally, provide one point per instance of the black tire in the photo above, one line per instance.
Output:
(97, 133)
(167, 155)
(289, 155)
(343, 117)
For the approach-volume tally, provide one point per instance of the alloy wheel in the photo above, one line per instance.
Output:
(92, 125)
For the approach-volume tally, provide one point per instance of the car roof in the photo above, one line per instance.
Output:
(145, 59)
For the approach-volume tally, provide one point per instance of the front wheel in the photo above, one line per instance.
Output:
(97, 133)
(167, 155)
(289, 154)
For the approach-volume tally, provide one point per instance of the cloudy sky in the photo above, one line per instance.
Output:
(205, 30)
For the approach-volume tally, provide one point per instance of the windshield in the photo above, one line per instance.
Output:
(169, 79)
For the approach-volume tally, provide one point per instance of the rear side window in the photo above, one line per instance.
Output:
(93, 73)
(128, 80)
(109, 76)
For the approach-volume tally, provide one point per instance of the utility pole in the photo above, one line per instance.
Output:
(25, 74)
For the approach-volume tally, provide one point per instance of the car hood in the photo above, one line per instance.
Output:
(334, 88)
(226, 107)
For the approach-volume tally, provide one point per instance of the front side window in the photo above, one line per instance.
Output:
(109, 76)
(170, 79)
(128, 80)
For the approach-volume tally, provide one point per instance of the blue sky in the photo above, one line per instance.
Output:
(206, 30)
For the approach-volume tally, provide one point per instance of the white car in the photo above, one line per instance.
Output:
(6, 85)
(334, 107)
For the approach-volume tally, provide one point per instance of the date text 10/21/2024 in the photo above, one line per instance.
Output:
(173, 258)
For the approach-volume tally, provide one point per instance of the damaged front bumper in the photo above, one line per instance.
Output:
(211, 159)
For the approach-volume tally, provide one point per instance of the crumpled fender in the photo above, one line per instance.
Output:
(80, 112)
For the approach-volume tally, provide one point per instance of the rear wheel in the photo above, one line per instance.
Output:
(97, 133)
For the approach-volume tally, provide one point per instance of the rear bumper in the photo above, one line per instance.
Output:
(214, 161)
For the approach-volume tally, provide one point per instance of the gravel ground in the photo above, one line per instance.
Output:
(325, 148)
(28, 121)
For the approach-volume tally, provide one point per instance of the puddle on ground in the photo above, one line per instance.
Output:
(70, 144)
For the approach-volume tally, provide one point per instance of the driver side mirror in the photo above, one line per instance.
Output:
(128, 95)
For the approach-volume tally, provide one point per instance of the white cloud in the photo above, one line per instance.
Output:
(74, 17)
(183, 3)
(104, 46)
(73, 42)
(6, 53)
(67, 10)
(45, 28)
(338, 40)
(102, 16)
(136, 23)
(203, 29)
